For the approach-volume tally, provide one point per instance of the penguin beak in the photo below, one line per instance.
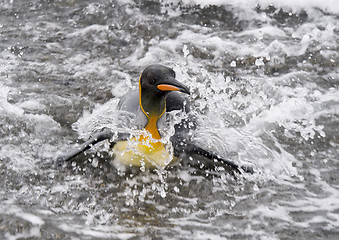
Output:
(173, 85)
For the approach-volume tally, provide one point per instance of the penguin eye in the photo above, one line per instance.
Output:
(151, 80)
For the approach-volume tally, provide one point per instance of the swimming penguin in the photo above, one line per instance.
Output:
(159, 92)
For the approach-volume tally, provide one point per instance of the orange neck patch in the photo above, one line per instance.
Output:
(151, 126)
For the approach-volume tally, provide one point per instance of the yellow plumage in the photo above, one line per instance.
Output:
(142, 152)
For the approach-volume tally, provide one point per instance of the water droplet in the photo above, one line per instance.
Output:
(162, 193)
(95, 162)
(259, 62)
(185, 51)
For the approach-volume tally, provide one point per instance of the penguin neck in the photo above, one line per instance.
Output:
(153, 107)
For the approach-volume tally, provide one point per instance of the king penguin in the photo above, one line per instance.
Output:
(159, 93)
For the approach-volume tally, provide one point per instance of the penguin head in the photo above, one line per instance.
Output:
(155, 83)
(158, 80)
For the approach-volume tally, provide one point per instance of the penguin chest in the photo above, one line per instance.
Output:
(142, 154)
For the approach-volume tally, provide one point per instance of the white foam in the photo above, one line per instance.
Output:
(5, 106)
(105, 115)
(32, 105)
(33, 130)
(34, 219)
(295, 5)
(99, 232)
(259, 33)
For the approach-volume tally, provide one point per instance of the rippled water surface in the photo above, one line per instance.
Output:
(264, 82)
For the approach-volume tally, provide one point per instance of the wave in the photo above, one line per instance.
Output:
(330, 6)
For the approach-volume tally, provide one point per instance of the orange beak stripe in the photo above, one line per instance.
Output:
(167, 87)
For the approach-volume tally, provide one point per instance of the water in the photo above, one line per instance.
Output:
(264, 80)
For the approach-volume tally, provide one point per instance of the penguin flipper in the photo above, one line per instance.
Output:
(193, 149)
(104, 134)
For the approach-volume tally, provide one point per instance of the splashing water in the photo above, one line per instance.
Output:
(263, 77)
